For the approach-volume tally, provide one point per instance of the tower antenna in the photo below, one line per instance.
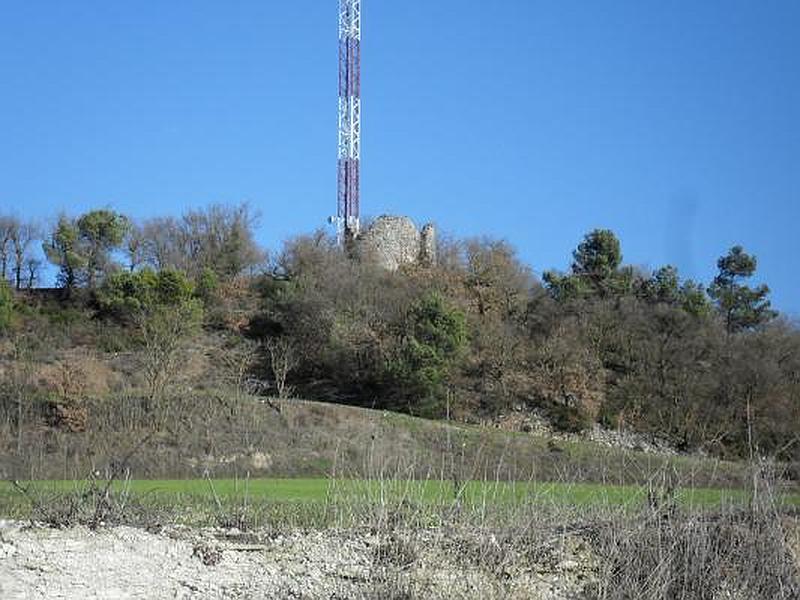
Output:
(349, 180)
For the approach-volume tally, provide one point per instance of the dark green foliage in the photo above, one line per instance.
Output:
(598, 256)
(433, 337)
(211, 245)
(6, 306)
(82, 248)
(570, 419)
(207, 286)
(476, 333)
(595, 270)
(565, 287)
(663, 286)
(63, 250)
(100, 232)
(693, 299)
(741, 306)
(597, 261)
(125, 294)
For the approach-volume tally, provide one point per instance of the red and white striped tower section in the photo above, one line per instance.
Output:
(349, 117)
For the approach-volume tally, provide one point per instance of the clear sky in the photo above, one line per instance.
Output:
(676, 123)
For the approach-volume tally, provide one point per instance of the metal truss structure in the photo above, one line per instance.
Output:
(349, 117)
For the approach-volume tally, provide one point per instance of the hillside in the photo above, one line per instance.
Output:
(226, 437)
(169, 336)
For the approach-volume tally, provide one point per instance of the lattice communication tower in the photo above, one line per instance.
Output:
(349, 117)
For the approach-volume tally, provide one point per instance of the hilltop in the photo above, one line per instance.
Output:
(160, 330)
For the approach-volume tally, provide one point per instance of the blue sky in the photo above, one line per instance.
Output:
(674, 123)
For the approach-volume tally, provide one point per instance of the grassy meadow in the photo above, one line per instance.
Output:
(311, 502)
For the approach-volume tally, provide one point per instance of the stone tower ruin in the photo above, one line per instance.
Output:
(392, 242)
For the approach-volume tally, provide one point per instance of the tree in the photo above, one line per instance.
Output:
(565, 287)
(595, 269)
(124, 294)
(219, 238)
(741, 306)
(222, 239)
(82, 248)
(694, 299)
(134, 247)
(7, 227)
(665, 287)
(282, 361)
(164, 310)
(100, 232)
(597, 257)
(434, 336)
(495, 278)
(22, 237)
(163, 330)
(62, 249)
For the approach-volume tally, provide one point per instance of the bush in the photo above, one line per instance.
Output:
(434, 336)
(570, 419)
(125, 294)
(6, 306)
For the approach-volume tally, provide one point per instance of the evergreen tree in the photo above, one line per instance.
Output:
(595, 269)
(741, 306)
(63, 250)
(434, 337)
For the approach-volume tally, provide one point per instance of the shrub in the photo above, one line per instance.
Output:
(571, 419)
(125, 294)
(433, 338)
(6, 306)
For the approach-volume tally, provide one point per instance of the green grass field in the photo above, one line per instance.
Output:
(315, 491)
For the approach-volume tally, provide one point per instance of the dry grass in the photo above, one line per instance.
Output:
(658, 549)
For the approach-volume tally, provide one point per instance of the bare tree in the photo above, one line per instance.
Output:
(15, 384)
(219, 238)
(162, 244)
(238, 362)
(282, 360)
(33, 267)
(8, 225)
(164, 331)
(134, 247)
(23, 235)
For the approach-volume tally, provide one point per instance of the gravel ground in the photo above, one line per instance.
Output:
(123, 562)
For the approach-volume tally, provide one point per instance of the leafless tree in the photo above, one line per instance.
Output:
(219, 238)
(134, 247)
(33, 267)
(282, 360)
(8, 225)
(23, 236)
(15, 384)
(164, 331)
(238, 362)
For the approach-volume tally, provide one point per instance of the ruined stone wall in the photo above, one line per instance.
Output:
(395, 241)
(427, 251)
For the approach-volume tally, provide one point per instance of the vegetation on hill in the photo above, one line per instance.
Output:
(149, 315)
